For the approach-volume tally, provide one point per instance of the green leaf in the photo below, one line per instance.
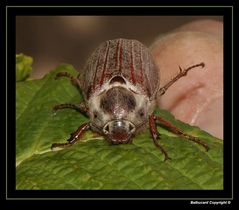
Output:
(94, 164)
(23, 67)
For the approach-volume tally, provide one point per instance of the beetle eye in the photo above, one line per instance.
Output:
(141, 113)
(95, 115)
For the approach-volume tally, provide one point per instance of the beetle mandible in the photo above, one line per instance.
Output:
(120, 86)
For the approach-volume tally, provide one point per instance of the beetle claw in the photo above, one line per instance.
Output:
(167, 158)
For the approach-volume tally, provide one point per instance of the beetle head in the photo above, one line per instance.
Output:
(119, 131)
(119, 113)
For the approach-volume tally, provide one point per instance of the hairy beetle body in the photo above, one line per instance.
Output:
(120, 87)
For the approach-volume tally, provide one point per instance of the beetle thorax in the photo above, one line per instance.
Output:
(119, 101)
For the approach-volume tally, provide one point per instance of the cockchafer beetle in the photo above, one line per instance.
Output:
(120, 85)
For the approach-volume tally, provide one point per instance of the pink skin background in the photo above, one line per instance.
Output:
(196, 99)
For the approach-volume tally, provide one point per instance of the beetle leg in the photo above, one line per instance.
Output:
(79, 107)
(176, 130)
(181, 74)
(155, 136)
(74, 137)
(74, 80)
